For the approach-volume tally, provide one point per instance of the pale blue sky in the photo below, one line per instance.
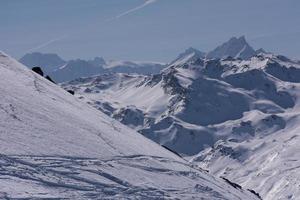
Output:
(158, 31)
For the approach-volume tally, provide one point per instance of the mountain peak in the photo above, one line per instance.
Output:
(98, 61)
(193, 50)
(234, 47)
(261, 50)
(242, 39)
(188, 54)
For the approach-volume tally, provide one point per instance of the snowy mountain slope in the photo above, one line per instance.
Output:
(268, 162)
(200, 93)
(53, 146)
(199, 104)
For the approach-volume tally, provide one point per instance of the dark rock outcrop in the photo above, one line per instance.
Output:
(38, 70)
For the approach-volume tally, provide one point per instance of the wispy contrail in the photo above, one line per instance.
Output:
(46, 44)
(148, 2)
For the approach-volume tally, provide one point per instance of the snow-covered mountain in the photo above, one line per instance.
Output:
(62, 71)
(53, 146)
(236, 118)
(235, 48)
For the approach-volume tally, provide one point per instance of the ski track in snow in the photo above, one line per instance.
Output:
(56, 177)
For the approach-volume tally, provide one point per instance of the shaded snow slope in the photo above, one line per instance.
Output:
(53, 146)
(236, 113)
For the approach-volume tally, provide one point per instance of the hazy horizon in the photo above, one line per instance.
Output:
(153, 30)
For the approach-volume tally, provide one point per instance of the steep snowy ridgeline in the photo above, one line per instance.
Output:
(221, 108)
(53, 146)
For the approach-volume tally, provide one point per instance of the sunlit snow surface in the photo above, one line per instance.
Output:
(53, 146)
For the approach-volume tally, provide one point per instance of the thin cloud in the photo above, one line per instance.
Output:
(148, 2)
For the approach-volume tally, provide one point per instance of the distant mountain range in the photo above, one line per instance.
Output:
(233, 112)
(48, 62)
(236, 114)
(237, 48)
(62, 71)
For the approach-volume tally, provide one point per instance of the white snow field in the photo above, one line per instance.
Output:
(239, 119)
(53, 146)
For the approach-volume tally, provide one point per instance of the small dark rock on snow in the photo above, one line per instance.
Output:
(71, 92)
